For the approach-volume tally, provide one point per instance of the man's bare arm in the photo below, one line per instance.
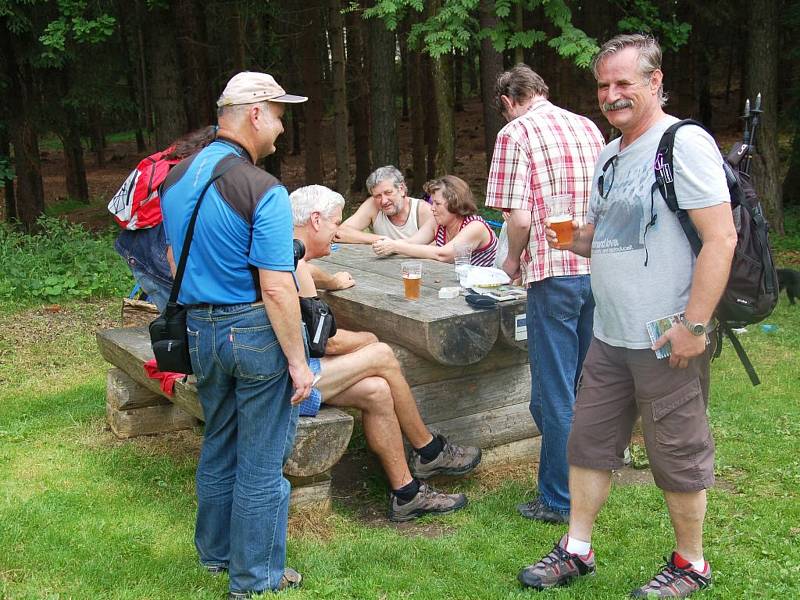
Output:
(715, 226)
(323, 280)
(283, 309)
(518, 228)
(712, 268)
(351, 230)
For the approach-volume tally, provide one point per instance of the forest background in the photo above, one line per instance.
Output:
(91, 86)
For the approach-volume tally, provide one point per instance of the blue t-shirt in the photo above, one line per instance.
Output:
(244, 223)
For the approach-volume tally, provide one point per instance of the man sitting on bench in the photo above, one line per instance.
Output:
(360, 372)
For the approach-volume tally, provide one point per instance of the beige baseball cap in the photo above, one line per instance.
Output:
(248, 87)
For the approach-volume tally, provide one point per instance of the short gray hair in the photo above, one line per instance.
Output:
(389, 173)
(237, 111)
(649, 55)
(311, 199)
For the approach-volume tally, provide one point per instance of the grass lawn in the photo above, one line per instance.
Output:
(83, 515)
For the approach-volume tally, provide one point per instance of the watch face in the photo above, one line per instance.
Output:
(698, 329)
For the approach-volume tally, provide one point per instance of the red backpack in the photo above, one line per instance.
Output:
(137, 205)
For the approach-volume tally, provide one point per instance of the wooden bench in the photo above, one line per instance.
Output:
(136, 405)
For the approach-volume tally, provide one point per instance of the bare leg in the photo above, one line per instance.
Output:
(373, 398)
(378, 360)
(588, 490)
(687, 511)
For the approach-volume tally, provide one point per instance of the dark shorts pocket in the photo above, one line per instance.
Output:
(257, 353)
(680, 422)
(193, 338)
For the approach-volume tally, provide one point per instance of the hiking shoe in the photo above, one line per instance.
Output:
(537, 510)
(674, 582)
(452, 460)
(427, 501)
(289, 579)
(557, 568)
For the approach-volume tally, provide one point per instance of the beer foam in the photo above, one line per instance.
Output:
(561, 218)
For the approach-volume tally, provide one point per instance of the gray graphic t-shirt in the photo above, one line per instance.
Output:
(641, 261)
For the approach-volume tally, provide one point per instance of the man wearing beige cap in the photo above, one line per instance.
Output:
(244, 329)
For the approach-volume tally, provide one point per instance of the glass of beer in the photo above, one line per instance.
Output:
(561, 212)
(412, 278)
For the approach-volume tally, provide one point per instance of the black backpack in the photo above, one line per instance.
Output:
(752, 290)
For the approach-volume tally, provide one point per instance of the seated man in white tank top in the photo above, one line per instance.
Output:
(389, 212)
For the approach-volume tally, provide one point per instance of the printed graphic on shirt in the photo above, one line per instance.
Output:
(621, 220)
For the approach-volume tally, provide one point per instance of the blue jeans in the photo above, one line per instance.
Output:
(156, 291)
(242, 497)
(559, 323)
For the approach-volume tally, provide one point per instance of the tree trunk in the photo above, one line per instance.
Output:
(791, 184)
(10, 208)
(402, 43)
(431, 116)
(417, 115)
(132, 77)
(383, 133)
(762, 77)
(519, 26)
(193, 63)
(358, 99)
(238, 48)
(458, 81)
(443, 92)
(21, 106)
(312, 81)
(491, 67)
(336, 34)
(67, 128)
(169, 113)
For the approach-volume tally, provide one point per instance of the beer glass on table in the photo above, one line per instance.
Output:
(412, 278)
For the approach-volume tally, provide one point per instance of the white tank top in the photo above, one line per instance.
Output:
(383, 226)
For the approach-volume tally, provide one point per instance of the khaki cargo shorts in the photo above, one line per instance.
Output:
(617, 384)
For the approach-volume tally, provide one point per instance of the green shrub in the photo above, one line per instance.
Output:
(60, 262)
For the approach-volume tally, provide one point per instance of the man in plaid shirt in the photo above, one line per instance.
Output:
(546, 151)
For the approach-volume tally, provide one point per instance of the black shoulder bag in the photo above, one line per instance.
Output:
(168, 335)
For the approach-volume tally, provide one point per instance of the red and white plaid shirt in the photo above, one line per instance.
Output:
(545, 152)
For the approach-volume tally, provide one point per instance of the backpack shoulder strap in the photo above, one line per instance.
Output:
(665, 180)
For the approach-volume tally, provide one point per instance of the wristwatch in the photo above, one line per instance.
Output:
(697, 329)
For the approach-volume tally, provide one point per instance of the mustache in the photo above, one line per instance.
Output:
(619, 104)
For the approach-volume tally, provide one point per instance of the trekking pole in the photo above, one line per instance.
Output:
(755, 113)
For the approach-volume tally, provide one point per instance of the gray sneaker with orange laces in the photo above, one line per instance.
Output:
(558, 568)
(427, 501)
(452, 460)
(673, 581)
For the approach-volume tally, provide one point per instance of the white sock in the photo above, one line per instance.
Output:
(697, 565)
(576, 546)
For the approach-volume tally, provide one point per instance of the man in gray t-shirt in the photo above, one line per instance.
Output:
(642, 270)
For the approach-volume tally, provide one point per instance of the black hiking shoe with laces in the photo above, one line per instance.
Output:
(428, 501)
(452, 460)
(557, 568)
(674, 582)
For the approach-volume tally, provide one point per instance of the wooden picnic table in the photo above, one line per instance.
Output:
(447, 331)
(468, 371)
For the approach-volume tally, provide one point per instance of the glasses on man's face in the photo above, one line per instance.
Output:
(604, 182)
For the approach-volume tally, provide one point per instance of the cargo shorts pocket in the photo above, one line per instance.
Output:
(680, 422)
(257, 353)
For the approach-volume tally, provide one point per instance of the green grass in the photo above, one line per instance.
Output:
(83, 515)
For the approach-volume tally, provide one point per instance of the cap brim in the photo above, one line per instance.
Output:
(289, 99)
